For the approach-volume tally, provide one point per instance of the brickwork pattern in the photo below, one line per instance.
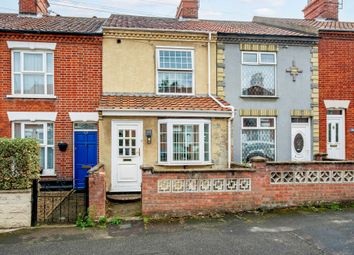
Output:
(270, 185)
(336, 82)
(97, 192)
(220, 70)
(315, 98)
(78, 86)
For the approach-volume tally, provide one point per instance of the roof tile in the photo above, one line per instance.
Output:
(141, 22)
(172, 103)
(56, 24)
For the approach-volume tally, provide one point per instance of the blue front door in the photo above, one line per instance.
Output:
(85, 155)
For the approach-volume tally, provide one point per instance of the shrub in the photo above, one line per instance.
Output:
(85, 221)
(19, 163)
(115, 221)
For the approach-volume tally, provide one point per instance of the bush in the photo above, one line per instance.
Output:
(19, 163)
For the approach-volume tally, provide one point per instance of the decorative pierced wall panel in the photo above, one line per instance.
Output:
(204, 185)
(310, 177)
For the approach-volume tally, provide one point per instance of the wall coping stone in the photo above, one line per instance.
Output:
(311, 162)
(96, 168)
(146, 168)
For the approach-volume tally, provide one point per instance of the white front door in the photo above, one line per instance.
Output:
(300, 139)
(335, 134)
(126, 156)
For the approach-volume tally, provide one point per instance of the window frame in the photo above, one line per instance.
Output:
(22, 72)
(169, 128)
(158, 69)
(260, 63)
(259, 128)
(46, 171)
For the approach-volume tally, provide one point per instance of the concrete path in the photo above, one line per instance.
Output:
(294, 232)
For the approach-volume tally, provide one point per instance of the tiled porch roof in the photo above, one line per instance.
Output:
(160, 103)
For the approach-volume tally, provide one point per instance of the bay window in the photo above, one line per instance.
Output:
(33, 73)
(175, 71)
(258, 74)
(258, 137)
(184, 142)
(44, 134)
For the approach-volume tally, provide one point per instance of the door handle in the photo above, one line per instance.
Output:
(86, 167)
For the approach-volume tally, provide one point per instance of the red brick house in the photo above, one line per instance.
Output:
(335, 74)
(51, 82)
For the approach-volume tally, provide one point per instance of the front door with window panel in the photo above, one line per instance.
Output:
(335, 135)
(126, 156)
(300, 139)
(85, 151)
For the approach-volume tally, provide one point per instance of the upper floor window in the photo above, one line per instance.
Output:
(33, 73)
(258, 74)
(175, 71)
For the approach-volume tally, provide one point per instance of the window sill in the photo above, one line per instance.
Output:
(259, 97)
(48, 175)
(175, 94)
(31, 96)
(185, 164)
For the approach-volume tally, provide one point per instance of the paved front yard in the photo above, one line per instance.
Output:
(299, 232)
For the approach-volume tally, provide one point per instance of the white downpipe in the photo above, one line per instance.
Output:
(220, 103)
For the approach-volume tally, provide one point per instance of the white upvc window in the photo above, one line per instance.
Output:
(175, 71)
(43, 132)
(32, 73)
(258, 74)
(258, 137)
(184, 142)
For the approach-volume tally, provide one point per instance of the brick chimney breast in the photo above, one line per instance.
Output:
(33, 7)
(322, 9)
(188, 9)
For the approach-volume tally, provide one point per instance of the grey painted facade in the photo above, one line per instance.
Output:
(290, 95)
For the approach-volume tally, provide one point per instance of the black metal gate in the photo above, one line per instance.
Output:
(57, 203)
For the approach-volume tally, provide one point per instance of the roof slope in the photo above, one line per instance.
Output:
(305, 25)
(142, 22)
(54, 24)
(157, 103)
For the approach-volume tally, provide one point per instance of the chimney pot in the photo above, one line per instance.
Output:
(33, 7)
(322, 9)
(188, 9)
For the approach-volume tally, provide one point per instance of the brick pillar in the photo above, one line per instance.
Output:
(97, 192)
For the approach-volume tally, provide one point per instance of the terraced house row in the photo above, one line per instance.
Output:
(175, 94)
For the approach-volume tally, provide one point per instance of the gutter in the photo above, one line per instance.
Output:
(220, 103)
(51, 32)
(155, 30)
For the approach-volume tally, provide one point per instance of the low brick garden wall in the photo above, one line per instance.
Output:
(97, 192)
(263, 185)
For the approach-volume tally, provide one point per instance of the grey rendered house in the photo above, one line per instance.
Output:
(270, 76)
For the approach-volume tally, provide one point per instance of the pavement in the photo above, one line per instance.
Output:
(281, 232)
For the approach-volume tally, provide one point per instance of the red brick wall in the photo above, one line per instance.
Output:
(33, 6)
(97, 192)
(262, 194)
(336, 82)
(325, 9)
(78, 86)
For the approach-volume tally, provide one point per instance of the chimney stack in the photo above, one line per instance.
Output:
(188, 9)
(33, 7)
(322, 9)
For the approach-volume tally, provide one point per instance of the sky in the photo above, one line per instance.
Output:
(209, 9)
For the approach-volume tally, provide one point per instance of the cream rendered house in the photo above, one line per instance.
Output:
(158, 108)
